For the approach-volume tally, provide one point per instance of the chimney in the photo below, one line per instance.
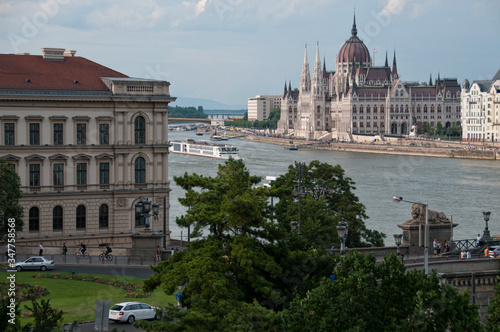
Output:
(69, 53)
(53, 54)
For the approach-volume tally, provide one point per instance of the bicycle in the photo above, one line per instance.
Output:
(106, 256)
(79, 255)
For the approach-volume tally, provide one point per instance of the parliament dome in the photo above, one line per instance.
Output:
(354, 49)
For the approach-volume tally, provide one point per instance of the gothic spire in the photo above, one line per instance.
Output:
(305, 79)
(324, 64)
(317, 80)
(430, 79)
(386, 61)
(394, 67)
(354, 31)
(290, 85)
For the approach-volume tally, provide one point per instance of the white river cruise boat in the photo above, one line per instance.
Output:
(204, 149)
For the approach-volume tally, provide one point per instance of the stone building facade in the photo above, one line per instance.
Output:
(88, 143)
(360, 98)
(480, 110)
(261, 106)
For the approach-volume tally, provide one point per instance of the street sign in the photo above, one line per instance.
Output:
(178, 296)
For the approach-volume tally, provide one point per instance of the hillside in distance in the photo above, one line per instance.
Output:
(207, 104)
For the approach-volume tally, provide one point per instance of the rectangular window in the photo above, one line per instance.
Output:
(81, 133)
(58, 134)
(58, 174)
(34, 134)
(104, 133)
(34, 175)
(103, 173)
(9, 132)
(81, 174)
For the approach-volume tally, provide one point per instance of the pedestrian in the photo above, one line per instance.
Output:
(158, 254)
(172, 252)
(463, 254)
(469, 256)
(479, 240)
(332, 249)
(64, 251)
(486, 252)
(176, 249)
(40, 252)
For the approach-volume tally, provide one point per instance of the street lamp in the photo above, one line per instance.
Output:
(486, 234)
(297, 188)
(397, 239)
(143, 209)
(342, 230)
(398, 199)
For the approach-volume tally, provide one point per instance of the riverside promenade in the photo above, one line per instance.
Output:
(394, 146)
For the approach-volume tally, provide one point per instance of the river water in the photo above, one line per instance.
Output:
(461, 188)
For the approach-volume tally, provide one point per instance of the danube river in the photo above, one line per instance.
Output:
(461, 188)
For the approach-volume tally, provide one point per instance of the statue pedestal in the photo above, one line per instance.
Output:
(144, 244)
(414, 234)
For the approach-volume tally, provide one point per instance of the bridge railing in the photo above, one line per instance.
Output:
(466, 244)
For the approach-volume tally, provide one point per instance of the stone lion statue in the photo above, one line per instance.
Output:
(418, 215)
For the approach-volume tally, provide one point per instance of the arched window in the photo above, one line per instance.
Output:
(80, 216)
(140, 170)
(103, 216)
(140, 130)
(57, 218)
(34, 219)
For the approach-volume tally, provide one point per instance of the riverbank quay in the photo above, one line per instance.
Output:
(428, 149)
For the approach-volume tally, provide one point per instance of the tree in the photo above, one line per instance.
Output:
(329, 198)
(46, 317)
(366, 296)
(250, 261)
(10, 193)
(493, 318)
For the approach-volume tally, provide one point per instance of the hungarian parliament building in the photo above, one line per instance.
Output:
(360, 98)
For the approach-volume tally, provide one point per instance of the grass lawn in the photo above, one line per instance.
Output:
(77, 298)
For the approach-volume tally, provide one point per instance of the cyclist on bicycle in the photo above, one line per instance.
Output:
(107, 251)
(83, 248)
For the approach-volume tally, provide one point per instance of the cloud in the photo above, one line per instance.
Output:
(393, 7)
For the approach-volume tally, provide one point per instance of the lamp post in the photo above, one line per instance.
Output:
(397, 239)
(486, 234)
(398, 199)
(297, 188)
(342, 230)
(143, 210)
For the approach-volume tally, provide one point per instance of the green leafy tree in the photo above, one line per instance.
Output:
(327, 199)
(493, 318)
(46, 318)
(10, 193)
(187, 112)
(366, 296)
(439, 129)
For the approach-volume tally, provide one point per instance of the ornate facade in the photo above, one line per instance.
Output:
(87, 142)
(480, 108)
(360, 98)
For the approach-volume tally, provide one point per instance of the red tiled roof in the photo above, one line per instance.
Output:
(15, 70)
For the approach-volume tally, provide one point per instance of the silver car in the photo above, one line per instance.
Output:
(131, 311)
(494, 251)
(35, 263)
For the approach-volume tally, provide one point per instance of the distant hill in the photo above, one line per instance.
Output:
(207, 104)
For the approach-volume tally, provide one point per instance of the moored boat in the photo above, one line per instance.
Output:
(204, 149)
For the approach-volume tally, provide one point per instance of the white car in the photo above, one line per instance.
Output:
(35, 263)
(131, 311)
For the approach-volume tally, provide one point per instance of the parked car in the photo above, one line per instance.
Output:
(131, 311)
(494, 251)
(35, 263)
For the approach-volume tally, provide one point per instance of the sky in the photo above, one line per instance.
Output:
(232, 50)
